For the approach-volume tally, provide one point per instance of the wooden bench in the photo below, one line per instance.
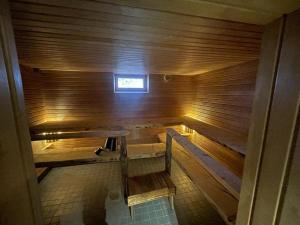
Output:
(141, 151)
(226, 137)
(204, 176)
(149, 187)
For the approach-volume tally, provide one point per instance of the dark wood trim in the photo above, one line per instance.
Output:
(79, 134)
(168, 155)
(266, 78)
(20, 202)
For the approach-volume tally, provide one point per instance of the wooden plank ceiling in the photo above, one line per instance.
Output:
(129, 37)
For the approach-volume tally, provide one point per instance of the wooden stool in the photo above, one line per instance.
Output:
(149, 187)
(145, 188)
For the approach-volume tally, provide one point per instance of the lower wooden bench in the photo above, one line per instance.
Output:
(225, 203)
(145, 188)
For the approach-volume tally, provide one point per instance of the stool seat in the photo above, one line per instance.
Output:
(149, 187)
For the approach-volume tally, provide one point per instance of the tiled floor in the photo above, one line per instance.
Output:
(90, 195)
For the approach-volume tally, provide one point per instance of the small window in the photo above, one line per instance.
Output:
(131, 83)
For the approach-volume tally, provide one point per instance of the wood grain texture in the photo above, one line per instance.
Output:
(90, 96)
(224, 97)
(290, 205)
(101, 133)
(68, 152)
(232, 160)
(149, 187)
(132, 38)
(33, 93)
(266, 77)
(74, 158)
(71, 145)
(234, 141)
(141, 151)
(86, 97)
(228, 157)
(19, 201)
(223, 175)
(225, 203)
(282, 128)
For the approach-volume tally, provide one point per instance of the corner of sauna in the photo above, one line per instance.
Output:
(68, 111)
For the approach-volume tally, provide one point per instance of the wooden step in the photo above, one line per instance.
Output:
(149, 187)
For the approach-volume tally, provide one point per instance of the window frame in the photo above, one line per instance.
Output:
(145, 78)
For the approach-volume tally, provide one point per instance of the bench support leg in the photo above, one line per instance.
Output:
(131, 211)
(171, 200)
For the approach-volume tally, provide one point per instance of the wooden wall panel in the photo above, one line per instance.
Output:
(224, 97)
(88, 97)
(33, 94)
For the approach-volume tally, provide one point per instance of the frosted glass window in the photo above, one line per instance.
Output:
(131, 83)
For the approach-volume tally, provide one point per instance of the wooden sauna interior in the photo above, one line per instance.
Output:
(201, 57)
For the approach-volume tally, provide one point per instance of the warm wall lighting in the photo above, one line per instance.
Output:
(51, 133)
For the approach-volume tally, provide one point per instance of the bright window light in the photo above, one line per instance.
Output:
(131, 83)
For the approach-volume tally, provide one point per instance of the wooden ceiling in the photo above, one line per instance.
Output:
(121, 36)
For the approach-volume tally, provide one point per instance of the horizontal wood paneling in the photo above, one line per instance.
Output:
(224, 97)
(88, 98)
(112, 37)
(33, 93)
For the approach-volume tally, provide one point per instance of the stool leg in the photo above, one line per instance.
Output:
(171, 200)
(131, 211)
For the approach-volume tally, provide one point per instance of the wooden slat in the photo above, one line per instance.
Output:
(222, 136)
(231, 159)
(80, 97)
(149, 187)
(33, 96)
(111, 37)
(225, 203)
(80, 134)
(75, 158)
(139, 151)
(217, 170)
(67, 145)
(76, 151)
(224, 97)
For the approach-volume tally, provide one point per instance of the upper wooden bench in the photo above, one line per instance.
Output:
(236, 142)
